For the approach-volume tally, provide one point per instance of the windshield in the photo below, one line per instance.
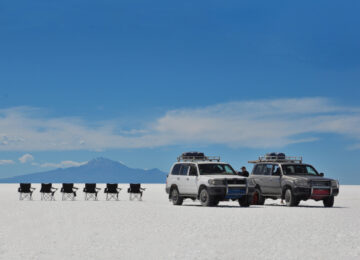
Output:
(299, 169)
(216, 168)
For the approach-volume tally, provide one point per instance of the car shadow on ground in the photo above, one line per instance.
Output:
(224, 206)
(264, 206)
(304, 206)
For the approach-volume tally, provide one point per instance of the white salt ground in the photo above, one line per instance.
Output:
(155, 229)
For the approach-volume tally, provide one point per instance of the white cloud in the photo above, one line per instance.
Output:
(63, 164)
(256, 123)
(26, 158)
(4, 162)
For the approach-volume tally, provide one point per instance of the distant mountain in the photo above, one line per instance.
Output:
(99, 170)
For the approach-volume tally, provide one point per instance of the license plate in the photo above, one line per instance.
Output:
(234, 191)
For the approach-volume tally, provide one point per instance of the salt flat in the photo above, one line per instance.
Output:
(155, 229)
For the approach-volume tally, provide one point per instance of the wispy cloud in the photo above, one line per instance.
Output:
(257, 123)
(63, 164)
(26, 158)
(5, 162)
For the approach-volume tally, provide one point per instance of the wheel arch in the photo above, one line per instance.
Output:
(173, 186)
(284, 188)
(202, 186)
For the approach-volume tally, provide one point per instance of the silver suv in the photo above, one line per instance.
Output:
(277, 176)
(196, 176)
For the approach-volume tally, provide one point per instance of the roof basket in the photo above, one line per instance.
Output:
(196, 156)
(278, 157)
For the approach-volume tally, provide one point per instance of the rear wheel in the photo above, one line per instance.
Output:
(290, 199)
(329, 202)
(175, 197)
(206, 199)
(257, 198)
(245, 201)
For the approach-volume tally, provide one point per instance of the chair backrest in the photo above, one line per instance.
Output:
(68, 187)
(135, 187)
(46, 187)
(112, 187)
(90, 187)
(25, 187)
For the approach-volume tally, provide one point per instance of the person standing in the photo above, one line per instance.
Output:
(244, 172)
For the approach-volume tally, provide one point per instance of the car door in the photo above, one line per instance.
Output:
(173, 178)
(182, 178)
(275, 180)
(191, 180)
(266, 178)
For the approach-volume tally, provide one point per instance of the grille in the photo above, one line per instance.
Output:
(235, 181)
(321, 183)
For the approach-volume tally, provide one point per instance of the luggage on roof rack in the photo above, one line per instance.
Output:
(197, 156)
(277, 157)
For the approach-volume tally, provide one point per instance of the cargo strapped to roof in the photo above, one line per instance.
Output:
(194, 158)
(286, 159)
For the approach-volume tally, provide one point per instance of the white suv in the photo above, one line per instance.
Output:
(197, 176)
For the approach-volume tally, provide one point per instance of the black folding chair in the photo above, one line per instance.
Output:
(91, 191)
(47, 191)
(135, 191)
(25, 191)
(112, 191)
(68, 191)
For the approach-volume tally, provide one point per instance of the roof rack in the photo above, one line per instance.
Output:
(183, 158)
(288, 159)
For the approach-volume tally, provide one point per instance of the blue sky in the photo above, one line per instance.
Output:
(142, 81)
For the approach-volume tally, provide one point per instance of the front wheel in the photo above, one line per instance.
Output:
(205, 198)
(257, 198)
(290, 198)
(245, 201)
(329, 202)
(175, 197)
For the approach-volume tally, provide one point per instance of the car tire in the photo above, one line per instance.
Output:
(290, 198)
(176, 198)
(245, 201)
(257, 198)
(329, 202)
(206, 199)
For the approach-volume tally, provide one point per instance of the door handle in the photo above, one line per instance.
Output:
(178, 178)
(187, 178)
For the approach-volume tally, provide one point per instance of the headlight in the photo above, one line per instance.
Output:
(251, 182)
(216, 182)
(335, 184)
(302, 183)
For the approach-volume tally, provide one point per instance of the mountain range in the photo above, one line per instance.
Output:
(99, 170)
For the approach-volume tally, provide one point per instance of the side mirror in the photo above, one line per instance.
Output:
(321, 174)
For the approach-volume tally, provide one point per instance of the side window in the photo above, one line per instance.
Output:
(276, 170)
(184, 169)
(193, 170)
(176, 169)
(311, 170)
(257, 169)
(267, 169)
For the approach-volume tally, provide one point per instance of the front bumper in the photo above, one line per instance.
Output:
(315, 192)
(231, 192)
